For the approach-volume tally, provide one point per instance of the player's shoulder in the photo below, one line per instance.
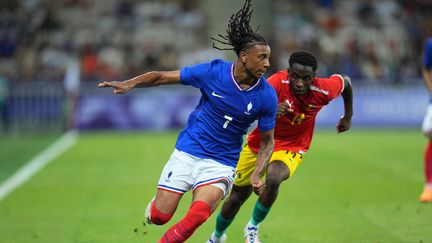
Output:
(210, 64)
(278, 79)
(220, 65)
(331, 80)
(219, 62)
(266, 88)
(331, 86)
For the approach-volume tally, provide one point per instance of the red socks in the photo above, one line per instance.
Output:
(198, 213)
(428, 163)
(157, 217)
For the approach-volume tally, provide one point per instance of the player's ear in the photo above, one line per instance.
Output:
(242, 56)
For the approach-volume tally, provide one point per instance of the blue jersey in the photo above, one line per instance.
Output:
(216, 127)
(427, 54)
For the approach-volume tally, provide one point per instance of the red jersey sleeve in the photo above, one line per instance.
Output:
(334, 85)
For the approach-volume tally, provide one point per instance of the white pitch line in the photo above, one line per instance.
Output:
(37, 163)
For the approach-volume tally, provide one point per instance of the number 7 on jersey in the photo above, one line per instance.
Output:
(228, 119)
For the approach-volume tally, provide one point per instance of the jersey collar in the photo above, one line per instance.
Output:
(236, 83)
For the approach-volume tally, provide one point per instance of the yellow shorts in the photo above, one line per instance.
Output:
(247, 160)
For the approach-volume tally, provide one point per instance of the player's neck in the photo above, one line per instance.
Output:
(242, 77)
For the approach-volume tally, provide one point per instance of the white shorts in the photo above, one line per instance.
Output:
(427, 121)
(184, 172)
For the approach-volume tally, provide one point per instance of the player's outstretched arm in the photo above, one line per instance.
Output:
(263, 157)
(149, 79)
(344, 123)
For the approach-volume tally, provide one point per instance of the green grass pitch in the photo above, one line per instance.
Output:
(361, 186)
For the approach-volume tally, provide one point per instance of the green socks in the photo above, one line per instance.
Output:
(221, 225)
(259, 213)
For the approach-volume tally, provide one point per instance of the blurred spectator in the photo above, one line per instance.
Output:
(38, 37)
(89, 62)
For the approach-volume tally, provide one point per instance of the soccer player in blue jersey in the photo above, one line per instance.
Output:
(426, 196)
(234, 95)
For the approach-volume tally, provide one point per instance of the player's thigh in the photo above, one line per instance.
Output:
(245, 167)
(178, 174)
(278, 171)
(291, 160)
(213, 181)
(176, 179)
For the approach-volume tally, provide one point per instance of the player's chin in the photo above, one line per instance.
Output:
(259, 74)
(299, 92)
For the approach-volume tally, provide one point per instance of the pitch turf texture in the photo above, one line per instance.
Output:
(361, 186)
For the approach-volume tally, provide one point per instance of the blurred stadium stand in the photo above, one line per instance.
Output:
(52, 53)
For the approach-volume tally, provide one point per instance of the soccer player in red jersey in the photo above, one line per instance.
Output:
(426, 195)
(301, 96)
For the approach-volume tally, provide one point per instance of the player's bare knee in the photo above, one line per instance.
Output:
(236, 200)
(272, 185)
(240, 194)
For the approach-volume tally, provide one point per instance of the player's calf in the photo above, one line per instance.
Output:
(198, 213)
(154, 216)
(235, 200)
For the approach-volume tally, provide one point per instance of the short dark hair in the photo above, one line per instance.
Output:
(239, 33)
(304, 58)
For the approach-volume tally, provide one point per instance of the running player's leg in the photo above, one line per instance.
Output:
(231, 206)
(176, 179)
(212, 183)
(241, 191)
(426, 195)
(282, 165)
(277, 172)
(162, 207)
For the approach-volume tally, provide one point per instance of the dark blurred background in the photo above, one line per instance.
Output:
(53, 52)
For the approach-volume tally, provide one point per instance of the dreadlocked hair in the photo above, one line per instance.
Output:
(304, 58)
(239, 32)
